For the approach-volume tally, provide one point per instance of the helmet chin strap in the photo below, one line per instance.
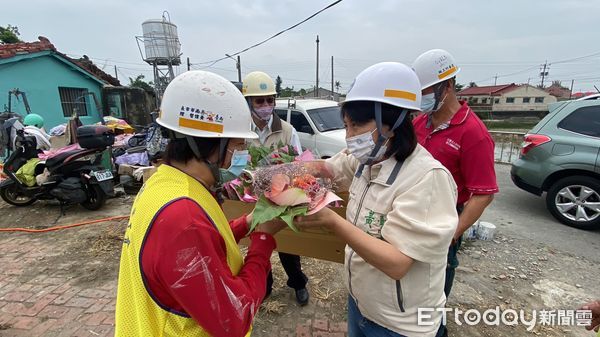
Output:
(214, 167)
(439, 101)
(383, 136)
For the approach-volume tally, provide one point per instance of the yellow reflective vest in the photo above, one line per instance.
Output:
(137, 314)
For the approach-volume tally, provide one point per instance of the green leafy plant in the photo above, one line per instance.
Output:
(271, 155)
(265, 211)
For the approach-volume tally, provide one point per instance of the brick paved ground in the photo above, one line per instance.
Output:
(63, 283)
(41, 300)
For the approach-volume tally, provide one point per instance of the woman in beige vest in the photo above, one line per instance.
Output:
(401, 212)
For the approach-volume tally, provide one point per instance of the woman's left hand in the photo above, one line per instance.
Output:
(326, 217)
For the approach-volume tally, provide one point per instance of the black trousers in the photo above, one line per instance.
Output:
(291, 264)
(451, 271)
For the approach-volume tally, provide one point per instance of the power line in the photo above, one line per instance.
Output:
(106, 59)
(269, 38)
(196, 67)
(577, 58)
(546, 63)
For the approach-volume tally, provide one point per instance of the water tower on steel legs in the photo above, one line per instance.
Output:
(162, 50)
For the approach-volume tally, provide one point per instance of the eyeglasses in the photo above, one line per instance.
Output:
(261, 100)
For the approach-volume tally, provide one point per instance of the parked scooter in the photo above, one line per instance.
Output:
(72, 177)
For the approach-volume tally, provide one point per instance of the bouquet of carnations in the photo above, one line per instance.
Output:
(288, 190)
(283, 184)
(261, 156)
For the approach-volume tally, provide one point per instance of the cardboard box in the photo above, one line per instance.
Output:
(148, 172)
(315, 243)
(58, 142)
(125, 169)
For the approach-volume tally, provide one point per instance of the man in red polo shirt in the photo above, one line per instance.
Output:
(455, 136)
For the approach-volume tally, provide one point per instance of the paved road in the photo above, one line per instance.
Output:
(521, 213)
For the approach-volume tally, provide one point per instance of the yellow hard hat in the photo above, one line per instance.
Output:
(258, 83)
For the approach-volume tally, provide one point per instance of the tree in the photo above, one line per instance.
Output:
(472, 84)
(458, 87)
(287, 92)
(9, 34)
(337, 86)
(139, 82)
(278, 85)
(290, 92)
(558, 84)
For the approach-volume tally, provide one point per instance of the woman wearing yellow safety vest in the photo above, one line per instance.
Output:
(181, 271)
(401, 212)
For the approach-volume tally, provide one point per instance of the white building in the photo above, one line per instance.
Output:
(508, 100)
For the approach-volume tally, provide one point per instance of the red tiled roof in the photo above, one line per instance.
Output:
(88, 65)
(492, 90)
(583, 94)
(558, 91)
(13, 49)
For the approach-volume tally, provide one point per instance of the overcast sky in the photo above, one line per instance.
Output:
(485, 37)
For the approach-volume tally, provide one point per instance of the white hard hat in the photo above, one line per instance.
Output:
(435, 66)
(258, 83)
(387, 82)
(203, 104)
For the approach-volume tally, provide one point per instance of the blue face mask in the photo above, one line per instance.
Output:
(239, 160)
(427, 102)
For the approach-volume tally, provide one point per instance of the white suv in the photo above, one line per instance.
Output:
(318, 122)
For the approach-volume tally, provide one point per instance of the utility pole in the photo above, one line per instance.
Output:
(116, 75)
(317, 86)
(571, 92)
(332, 93)
(496, 79)
(188, 64)
(238, 66)
(544, 73)
(239, 69)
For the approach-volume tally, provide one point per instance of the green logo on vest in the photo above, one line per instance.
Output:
(374, 222)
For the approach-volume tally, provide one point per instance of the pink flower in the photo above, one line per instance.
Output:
(278, 183)
(283, 194)
(290, 197)
(305, 156)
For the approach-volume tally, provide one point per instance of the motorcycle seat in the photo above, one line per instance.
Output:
(60, 158)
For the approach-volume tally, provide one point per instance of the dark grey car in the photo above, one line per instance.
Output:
(561, 156)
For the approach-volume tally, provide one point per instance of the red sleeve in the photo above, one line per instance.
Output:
(477, 163)
(184, 263)
(239, 227)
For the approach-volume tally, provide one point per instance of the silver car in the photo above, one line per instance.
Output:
(561, 156)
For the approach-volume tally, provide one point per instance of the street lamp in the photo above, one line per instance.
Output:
(238, 66)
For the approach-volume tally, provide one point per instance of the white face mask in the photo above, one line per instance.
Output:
(427, 102)
(362, 145)
(264, 113)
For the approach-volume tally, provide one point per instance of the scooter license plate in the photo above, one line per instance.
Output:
(103, 175)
